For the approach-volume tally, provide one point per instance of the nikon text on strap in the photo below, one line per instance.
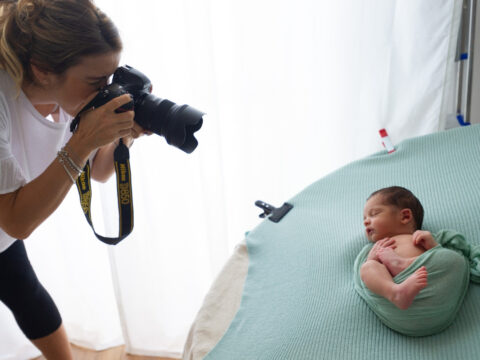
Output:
(124, 194)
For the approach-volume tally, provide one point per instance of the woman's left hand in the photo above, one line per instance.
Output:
(136, 132)
(103, 166)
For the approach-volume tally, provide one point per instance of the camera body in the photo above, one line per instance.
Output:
(177, 123)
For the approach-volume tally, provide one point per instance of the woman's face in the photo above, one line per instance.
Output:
(80, 83)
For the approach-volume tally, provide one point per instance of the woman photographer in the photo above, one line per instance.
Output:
(54, 56)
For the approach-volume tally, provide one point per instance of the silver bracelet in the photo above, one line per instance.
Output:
(66, 156)
(72, 154)
(67, 161)
(66, 169)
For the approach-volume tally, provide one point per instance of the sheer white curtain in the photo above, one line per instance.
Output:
(292, 90)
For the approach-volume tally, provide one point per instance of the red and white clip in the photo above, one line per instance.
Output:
(386, 142)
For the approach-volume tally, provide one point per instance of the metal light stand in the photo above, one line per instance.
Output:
(464, 58)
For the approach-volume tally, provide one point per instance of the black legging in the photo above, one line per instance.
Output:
(31, 305)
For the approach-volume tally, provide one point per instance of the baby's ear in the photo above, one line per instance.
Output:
(406, 216)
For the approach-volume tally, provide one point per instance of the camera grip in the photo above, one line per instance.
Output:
(125, 107)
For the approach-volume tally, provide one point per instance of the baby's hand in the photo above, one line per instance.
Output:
(384, 243)
(424, 239)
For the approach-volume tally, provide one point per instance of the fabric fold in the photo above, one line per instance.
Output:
(455, 241)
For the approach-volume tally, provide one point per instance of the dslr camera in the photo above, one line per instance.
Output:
(177, 123)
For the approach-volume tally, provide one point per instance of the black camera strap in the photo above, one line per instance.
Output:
(121, 158)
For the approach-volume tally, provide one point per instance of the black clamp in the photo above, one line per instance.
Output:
(276, 214)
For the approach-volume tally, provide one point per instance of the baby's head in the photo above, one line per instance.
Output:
(392, 211)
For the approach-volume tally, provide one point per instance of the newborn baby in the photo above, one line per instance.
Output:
(391, 218)
(391, 276)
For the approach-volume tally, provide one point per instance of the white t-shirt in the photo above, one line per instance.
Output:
(28, 141)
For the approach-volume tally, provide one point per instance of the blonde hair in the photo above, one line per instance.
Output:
(52, 34)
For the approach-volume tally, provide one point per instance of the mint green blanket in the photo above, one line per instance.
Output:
(435, 307)
(299, 300)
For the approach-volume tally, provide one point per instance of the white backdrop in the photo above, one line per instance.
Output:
(292, 91)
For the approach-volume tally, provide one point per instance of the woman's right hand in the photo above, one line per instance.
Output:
(102, 126)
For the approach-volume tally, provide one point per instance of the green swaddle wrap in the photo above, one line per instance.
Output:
(450, 265)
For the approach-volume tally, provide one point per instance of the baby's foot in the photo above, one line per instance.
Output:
(394, 263)
(405, 292)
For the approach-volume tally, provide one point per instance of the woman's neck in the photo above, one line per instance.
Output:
(40, 99)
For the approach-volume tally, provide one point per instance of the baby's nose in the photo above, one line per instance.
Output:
(366, 221)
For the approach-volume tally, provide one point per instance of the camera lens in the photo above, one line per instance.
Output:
(177, 123)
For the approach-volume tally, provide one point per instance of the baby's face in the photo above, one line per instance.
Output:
(380, 220)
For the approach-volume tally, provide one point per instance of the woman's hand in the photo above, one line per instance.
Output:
(137, 131)
(102, 126)
(103, 167)
(424, 239)
(384, 243)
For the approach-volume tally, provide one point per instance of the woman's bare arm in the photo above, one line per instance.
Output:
(23, 210)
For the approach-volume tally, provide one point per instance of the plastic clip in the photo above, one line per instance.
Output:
(276, 214)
